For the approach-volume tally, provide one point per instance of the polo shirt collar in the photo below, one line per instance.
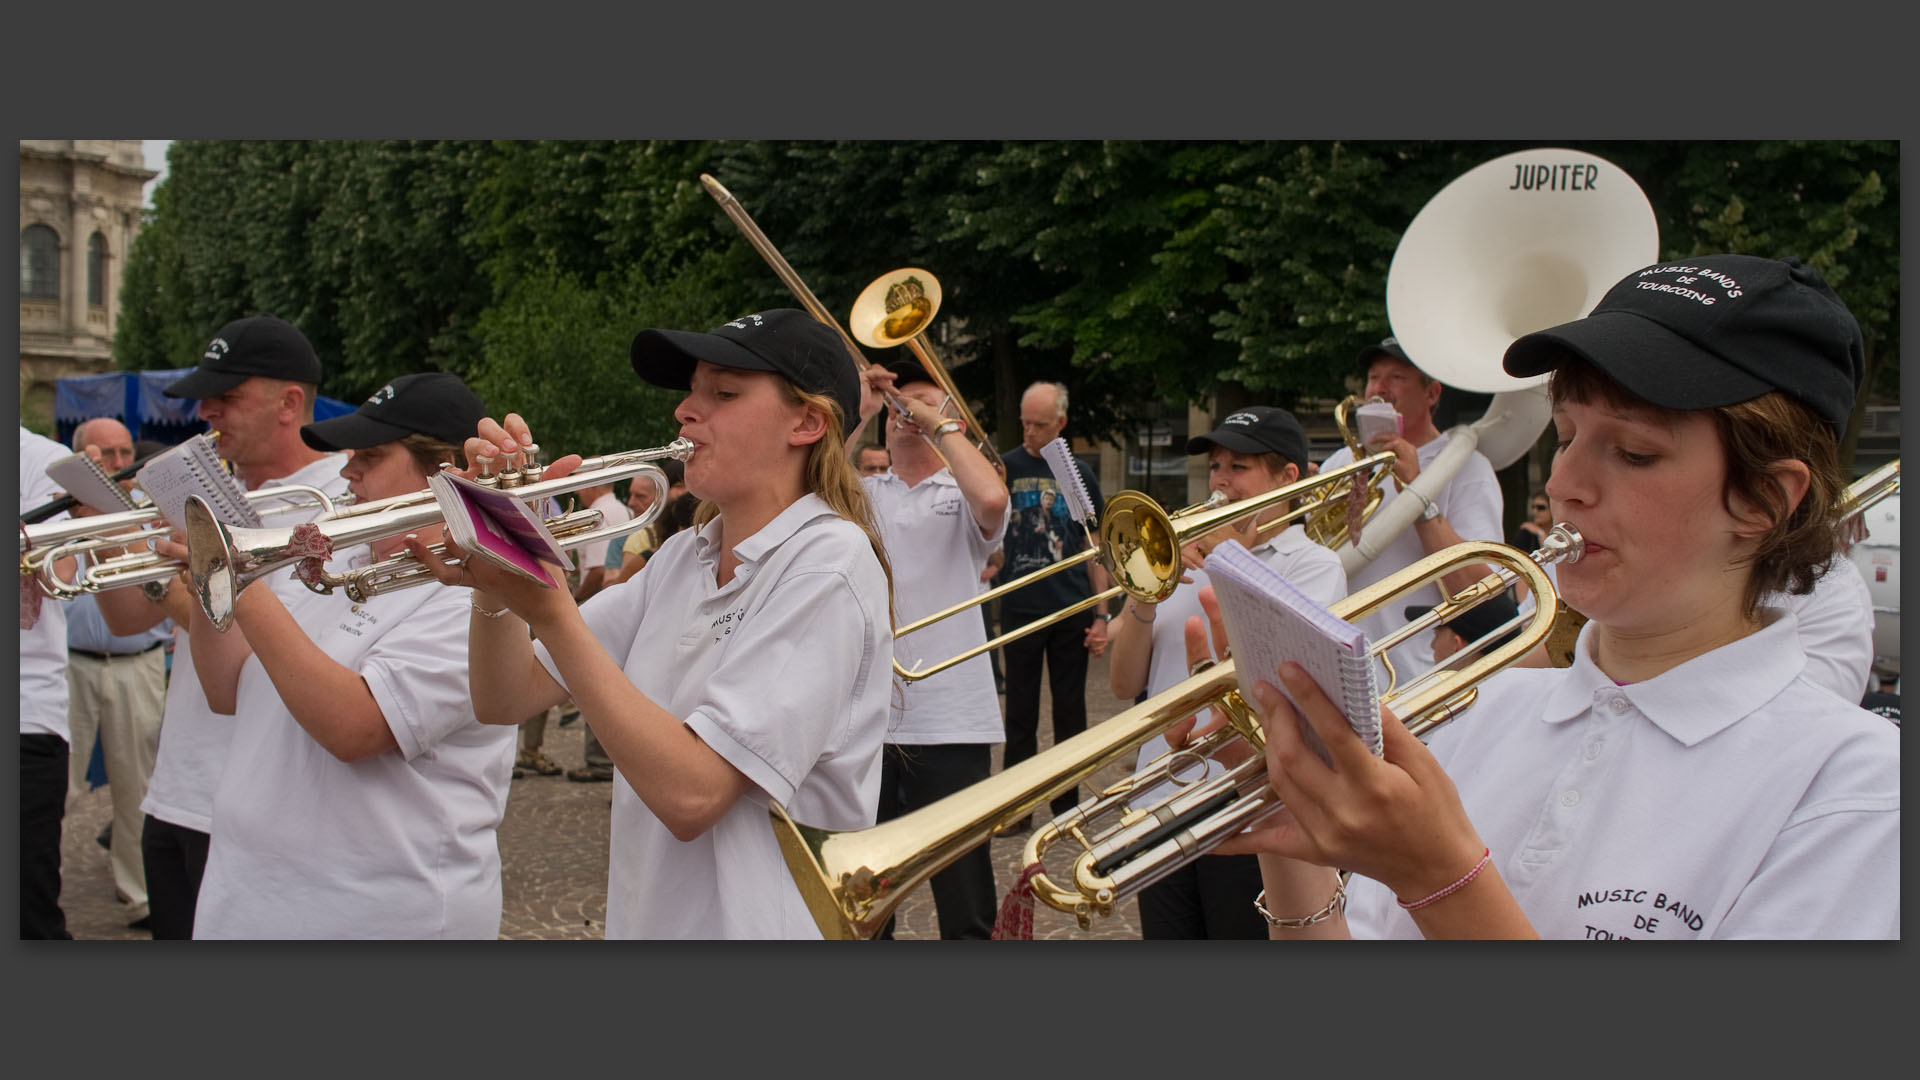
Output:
(942, 476)
(771, 535)
(1700, 697)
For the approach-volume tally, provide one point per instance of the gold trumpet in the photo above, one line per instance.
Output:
(223, 560)
(852, 880)
(1140, 546)
(895, 310)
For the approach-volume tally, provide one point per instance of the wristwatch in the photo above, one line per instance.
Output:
(1432, 511)
(947, 427)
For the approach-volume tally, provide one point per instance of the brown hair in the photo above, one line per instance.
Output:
(428, 452)
(1800, 541)
(830, 475)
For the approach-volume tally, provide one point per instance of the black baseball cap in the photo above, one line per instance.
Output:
(1480, 620)
(1257, 429)
(434, 403)
(1715, 330)
(786, 341)
(910, 370)
(1386, 346)
(257, 345)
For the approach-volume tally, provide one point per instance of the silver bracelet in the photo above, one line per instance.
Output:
(478, 610)
(1133, 608)
(1334, 907)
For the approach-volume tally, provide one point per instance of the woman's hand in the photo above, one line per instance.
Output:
(1207, 640)
(497, 446)
(876, 385)
(1396, 818)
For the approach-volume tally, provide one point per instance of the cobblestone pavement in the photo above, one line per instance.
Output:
(553, 852)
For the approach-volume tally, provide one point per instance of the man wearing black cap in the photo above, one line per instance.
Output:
(256, 384)
(1467, 508)
(1480, 624)
(940, 521)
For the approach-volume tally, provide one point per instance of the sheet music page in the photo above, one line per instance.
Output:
(82, 477)
(192, 468)
(1269, 622)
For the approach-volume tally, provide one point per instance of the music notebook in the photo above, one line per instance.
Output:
(1269, 621)
(82, 477)
(494, 525)
(192, 468)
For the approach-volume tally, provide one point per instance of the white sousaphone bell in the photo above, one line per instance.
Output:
(1518, 244)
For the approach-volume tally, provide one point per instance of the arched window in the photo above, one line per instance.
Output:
(39, 263)
(97, 270)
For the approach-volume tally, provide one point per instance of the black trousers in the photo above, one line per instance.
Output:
(914, 776)
(43, 802)
(1209, 898)
(176, 858)
(1062, 648)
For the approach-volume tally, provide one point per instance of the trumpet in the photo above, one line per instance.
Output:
(223, 560)
(852, 880)
(42, 547)
(1140, 546)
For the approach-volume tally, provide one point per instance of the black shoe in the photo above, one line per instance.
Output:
(105, 839)
(569, 718)
(144, 922)
(585, 775)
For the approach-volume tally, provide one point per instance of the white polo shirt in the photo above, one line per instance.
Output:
(612, 512)
(1307, 566)
(1836, 629)
(1471, 504)
(43, 647)
(784, 672)
(1730, 797)
(938, 553)
(193, 738)
(399, 845)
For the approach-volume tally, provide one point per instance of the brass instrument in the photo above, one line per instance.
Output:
(223, 560)
(895, 310)
(1140, 547)
(44, 546)
(852, 880)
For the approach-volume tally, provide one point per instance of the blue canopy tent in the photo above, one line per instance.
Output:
(135, 399)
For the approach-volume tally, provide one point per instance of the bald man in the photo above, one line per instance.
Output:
(117, 689)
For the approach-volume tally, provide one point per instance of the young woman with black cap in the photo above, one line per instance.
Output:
(1683, 779)
(1252, 452)
(361, 796)
(747, 663)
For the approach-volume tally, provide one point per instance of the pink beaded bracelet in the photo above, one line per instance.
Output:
(1485, 858)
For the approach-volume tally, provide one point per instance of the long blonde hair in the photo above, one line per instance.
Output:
(830, 475)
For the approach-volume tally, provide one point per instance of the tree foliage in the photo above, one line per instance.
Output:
(1146, 275)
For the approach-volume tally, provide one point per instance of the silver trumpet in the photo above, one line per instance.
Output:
(223, 560)
(45, 545)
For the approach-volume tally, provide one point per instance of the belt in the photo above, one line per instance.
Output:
(115, 655)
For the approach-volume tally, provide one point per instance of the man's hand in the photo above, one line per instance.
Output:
(1406, 457)
(1097, 637)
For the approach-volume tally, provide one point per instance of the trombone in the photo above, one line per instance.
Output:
(222, 560)
(1140, 546)
(852, 880)
(896, 309)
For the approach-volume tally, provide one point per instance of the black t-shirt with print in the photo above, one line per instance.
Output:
(1040, 533)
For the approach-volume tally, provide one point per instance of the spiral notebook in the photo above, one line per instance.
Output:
(82, 477)
(192, 468)
(1269, 621)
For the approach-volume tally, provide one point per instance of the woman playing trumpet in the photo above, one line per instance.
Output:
(360, 797)
(1683, 779)
(748, 662)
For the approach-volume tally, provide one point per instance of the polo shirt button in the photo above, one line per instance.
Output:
(1620, 705)
(1569, 798)
(1593, 749)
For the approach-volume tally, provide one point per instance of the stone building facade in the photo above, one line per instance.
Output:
(80, 203)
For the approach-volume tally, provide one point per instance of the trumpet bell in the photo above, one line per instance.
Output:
(1518, 244)
(895, 308)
